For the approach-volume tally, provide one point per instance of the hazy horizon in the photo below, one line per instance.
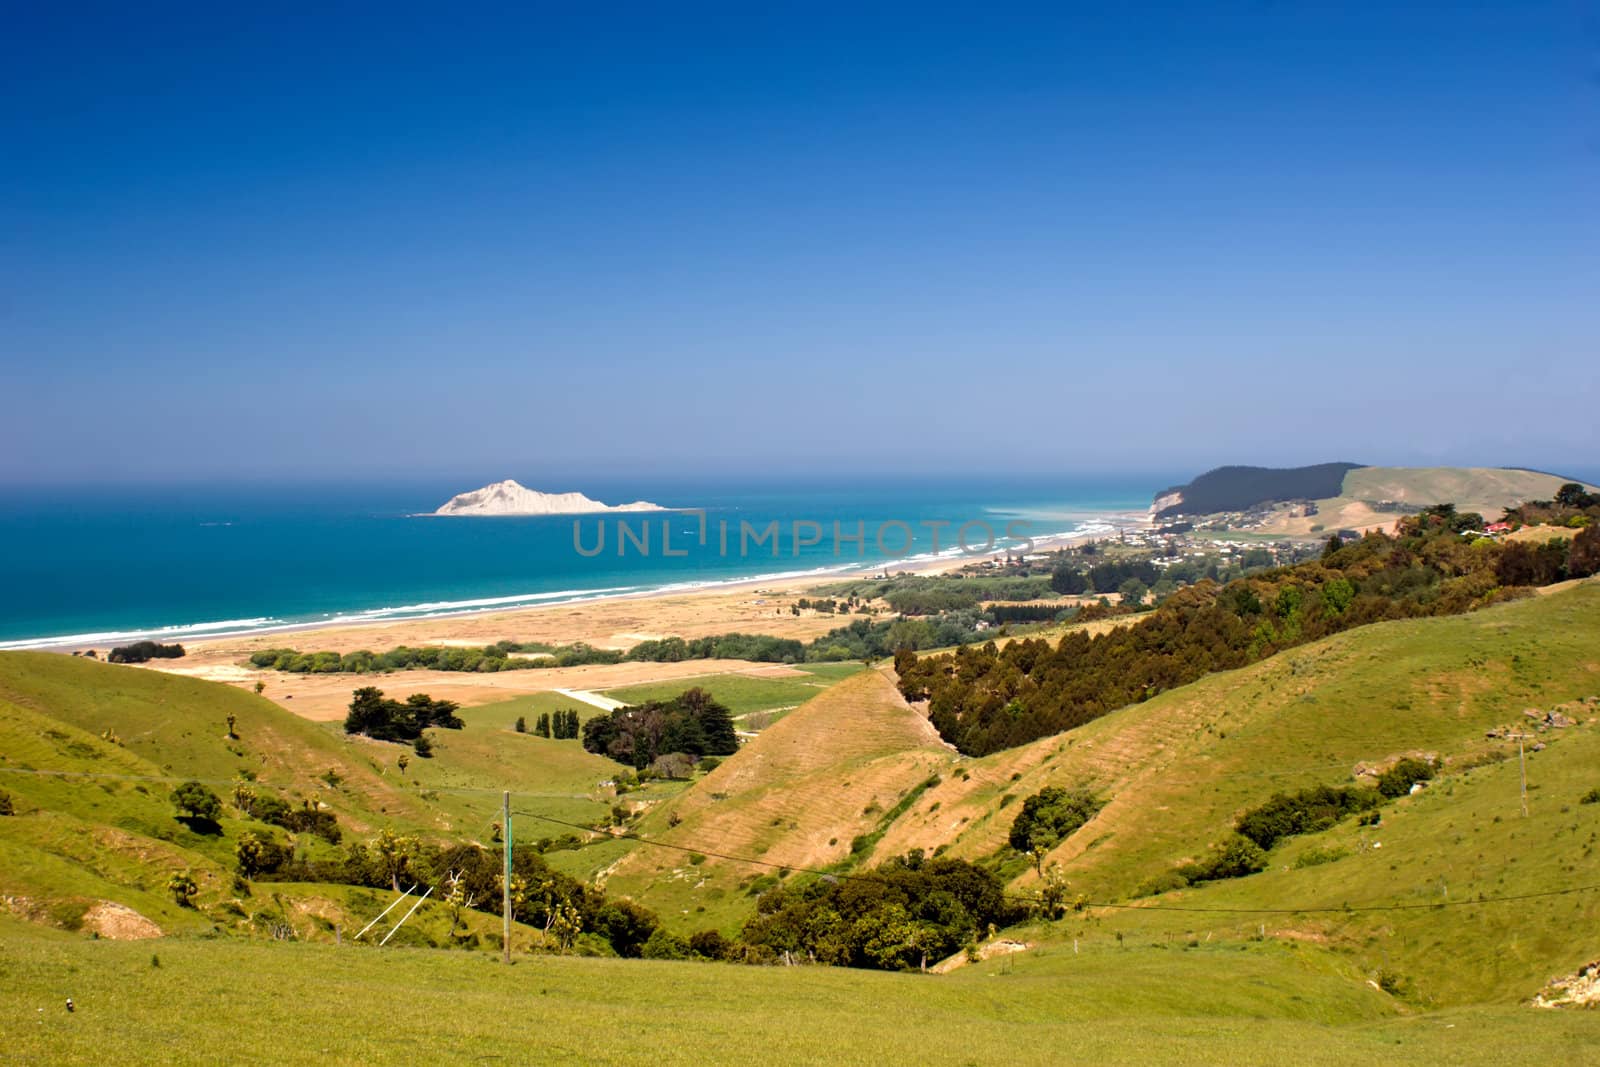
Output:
(569, 247)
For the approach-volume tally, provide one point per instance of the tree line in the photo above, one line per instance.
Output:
(562, 725)
(859, 639)
(983, 699)
(143, 652)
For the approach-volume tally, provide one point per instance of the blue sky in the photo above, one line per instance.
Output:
(385, 241)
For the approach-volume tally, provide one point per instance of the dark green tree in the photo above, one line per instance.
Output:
(1049, 816)
(626, 925)
(195, 800)
(1573, 495)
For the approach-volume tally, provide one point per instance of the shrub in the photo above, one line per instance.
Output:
(1591, 797)
(258, 855)
(672, 766)
(1233, 858)
(627, 926)
(1050, 815)
(711, 945)
(7, 807)
(1316, 857)
(183, 889)
(1309, 810)
(912, 911)
(1161, 883)
(196, 801)
(1398, 780)
(661, 945)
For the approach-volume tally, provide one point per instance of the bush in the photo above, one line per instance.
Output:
(258, 855)
(1398, 780)
(1050, 815)
(1310, 810)
(672, 766)
(662, 945)
(196, 801)
(711, 945)
(627, 926)
(6, 805)
(1316, 857)
(1591, 797)
(1233, 858)
(183, 888)
(1161, 883)
(914, 910)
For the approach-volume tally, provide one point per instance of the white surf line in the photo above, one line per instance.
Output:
(592, 699)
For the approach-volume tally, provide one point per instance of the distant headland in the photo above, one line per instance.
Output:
(1309, 501)
(512, 498)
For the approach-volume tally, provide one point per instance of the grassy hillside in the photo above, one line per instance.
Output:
(95, 824)
(797, 794)
(1482, 489)
(1229, 971)
(1486, 490)
(1135, 1005)
(178, 726)
(1178, 769)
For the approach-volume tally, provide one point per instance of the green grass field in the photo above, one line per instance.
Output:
(756, 702)
(740, 693)
(211, 1000)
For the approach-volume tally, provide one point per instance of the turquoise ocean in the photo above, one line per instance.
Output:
(98, 566)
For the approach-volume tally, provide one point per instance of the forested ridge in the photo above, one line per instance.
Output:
(983, 698)
(1237, 488)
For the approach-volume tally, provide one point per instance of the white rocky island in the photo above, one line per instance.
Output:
(512, 498)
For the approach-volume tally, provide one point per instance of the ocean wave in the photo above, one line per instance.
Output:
(432, 607)
(194, 629)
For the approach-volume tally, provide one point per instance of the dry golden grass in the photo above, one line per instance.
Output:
(794, 796)
(326, 697)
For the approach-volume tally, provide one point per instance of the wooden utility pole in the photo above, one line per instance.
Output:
(505, 880)
(1522, 758)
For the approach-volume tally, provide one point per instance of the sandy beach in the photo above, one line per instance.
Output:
(619, 622)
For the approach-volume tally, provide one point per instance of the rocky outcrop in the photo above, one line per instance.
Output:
(512, 498)
(1581, 989)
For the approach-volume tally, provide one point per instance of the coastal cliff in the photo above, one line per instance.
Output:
(512, 498)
